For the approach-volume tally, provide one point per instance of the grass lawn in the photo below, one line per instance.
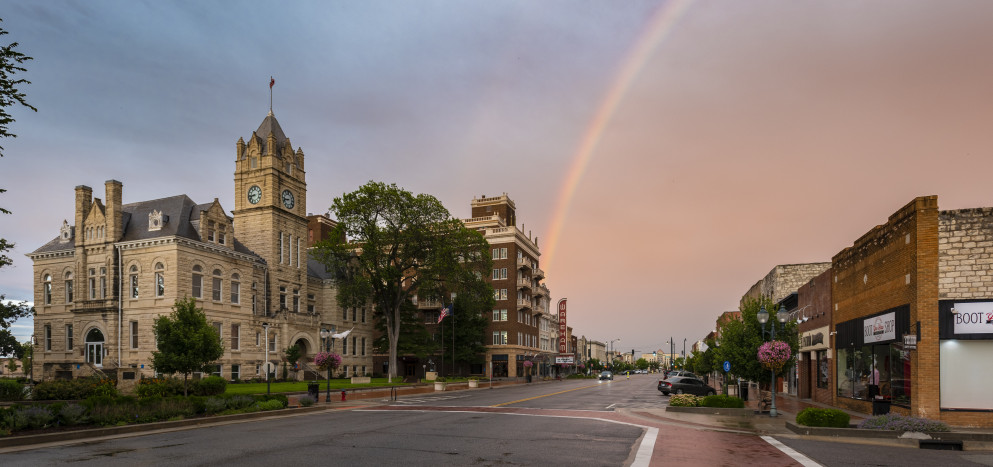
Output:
(301, 386)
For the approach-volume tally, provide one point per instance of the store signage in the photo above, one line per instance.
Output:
(973, 318)
(910, 342)
(568, 360)
(563, 328)
(727, 366)
(815, 338)
(879, 328)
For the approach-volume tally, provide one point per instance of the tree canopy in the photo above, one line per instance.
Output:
(10, 64)
(186, 342)
(390, 245)
(740, 340)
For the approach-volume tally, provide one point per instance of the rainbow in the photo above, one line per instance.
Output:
(655, 31)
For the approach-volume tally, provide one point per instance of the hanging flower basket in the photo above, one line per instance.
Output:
(528, 364)
(327, 360)
(773, 355)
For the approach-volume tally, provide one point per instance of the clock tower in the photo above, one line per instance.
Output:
(270, 212)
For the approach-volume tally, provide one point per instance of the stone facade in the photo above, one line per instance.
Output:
(783, 280)
(104, 280)
(965, 253)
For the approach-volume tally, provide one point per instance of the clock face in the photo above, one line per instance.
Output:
(288, 199)
(254, 194)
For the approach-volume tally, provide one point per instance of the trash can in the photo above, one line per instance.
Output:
(313, 389)
(743, 390)
(880, 407)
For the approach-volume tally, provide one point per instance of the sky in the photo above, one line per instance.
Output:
(667, 155)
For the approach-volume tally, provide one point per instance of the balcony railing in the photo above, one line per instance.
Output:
(524, 263)
(83, 306)
(524, 303)
(429, 304)
(538, 273)
(541, 291)
(524, 283)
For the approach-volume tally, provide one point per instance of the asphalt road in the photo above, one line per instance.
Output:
(572, 422)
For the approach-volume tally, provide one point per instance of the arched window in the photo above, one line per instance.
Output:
(159, 279)
(134, 281)
(217, 285)
(48, 289)
(68, 282)
(197, 281)
(235, 288)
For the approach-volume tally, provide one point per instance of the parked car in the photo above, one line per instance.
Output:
(606, 375)
(682, 373)
(685, 385)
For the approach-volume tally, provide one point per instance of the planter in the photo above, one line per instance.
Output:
(439, 385)
(473, 383)
(431, 375)
(361, 380)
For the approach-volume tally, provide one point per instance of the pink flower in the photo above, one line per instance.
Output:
(327, 360)
(774, 354)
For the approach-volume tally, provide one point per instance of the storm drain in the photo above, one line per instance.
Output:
(940, 445)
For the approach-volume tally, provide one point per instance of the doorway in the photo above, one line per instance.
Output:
(94, 347)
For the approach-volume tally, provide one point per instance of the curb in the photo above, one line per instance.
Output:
(888, 434)
(713, 411)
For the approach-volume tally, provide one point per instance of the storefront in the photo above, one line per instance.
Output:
(966, 333)
(814, 364)
(872, 363)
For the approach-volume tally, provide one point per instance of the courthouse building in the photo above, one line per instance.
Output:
(101, 283)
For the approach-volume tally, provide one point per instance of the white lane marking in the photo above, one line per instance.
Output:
(611, 406)
(645, 450)
(802, 459)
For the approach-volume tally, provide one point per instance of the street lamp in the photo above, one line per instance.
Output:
(328, 336)
(612, 354)
(763, 317)
(684, 352)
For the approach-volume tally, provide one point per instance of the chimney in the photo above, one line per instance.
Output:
(114, 191)
(84, 199)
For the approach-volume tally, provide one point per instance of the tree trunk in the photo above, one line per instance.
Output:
(393, 333)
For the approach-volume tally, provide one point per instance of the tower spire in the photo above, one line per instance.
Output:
(272, 81)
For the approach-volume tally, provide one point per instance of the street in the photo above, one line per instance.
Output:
(572, 422)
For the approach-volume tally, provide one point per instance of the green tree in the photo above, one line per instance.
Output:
(293, 354)
(390, 245)
(594, 364)
(10, 64)
(470, 312)
(414, 336)
(187, 343)
(655, 365)
(740, 340)
(641, 364)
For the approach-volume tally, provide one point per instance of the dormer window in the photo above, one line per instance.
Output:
(65, 233)
(210, 231)
(220, 235)
(156, 220)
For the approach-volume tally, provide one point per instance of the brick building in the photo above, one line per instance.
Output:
(523, 327)
(101, 283)
(923, 274)
(813, 317)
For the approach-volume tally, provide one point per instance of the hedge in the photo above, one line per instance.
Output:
(831, 418)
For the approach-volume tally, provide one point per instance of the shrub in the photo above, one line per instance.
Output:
(832, 418)
(897, 422)
(306, 401)
(33, 417)
(210, 386)
(11, 390)
(684, 400)
(165, 387)
(73, 414)
(75, 389)
(723, 401)
(278, 397)
(240, 402)
(269, 405)
(215, 405)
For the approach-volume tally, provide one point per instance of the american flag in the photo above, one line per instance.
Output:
(444, 312)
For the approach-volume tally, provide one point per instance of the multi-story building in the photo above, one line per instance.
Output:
(101, 283)
(522, 326)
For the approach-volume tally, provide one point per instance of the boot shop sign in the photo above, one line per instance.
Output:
(973, 318)
(879, 328)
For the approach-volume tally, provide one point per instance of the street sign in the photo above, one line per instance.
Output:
(727, 365)
(909, 342)
(566, 359)
(269, 368)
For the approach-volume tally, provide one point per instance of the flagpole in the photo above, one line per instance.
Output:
(442, 326)
(453, 337)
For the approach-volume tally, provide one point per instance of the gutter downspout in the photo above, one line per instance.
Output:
(120, 301)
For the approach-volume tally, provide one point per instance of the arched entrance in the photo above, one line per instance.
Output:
(305, 350)
(94, 347)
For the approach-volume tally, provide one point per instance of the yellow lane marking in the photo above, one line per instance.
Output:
(545, 395)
